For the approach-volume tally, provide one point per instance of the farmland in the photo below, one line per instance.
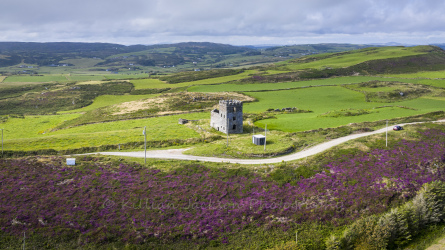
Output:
(91, 103)
(93, 135)
(286, 85)
(338, 60)
(102, 202)
(107, 100)
(47, 78)
(156, 84)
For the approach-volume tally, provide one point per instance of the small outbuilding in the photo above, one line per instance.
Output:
(259, 139)
(71, 161)
(183, 121)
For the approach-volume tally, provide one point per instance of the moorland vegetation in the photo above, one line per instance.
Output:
(336, 200)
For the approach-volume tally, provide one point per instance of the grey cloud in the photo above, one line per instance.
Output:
(261, 20)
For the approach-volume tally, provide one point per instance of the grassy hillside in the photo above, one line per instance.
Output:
(346, 59)
(39, 134)
(324, 198)
(321, 102)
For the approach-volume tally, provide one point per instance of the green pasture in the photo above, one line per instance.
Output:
(286, 85)
(317, 99)
(324, 99)
(355, 57)
(274, 72)
(17, 84)
(39, 78)
(67, 78)
(124, 76)
(435, 83)
(86, 77)
(150, 83)
(108, 100)
(33, 132)
(423, 74)
(82, 62)
(432, 78)
(240, 146)
(239, 61)
(33, 126)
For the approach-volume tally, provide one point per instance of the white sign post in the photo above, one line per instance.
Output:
(145, 144)
(265, 137)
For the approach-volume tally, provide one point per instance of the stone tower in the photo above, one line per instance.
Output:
(228, 116)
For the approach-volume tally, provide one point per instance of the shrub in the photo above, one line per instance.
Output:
(396, 227)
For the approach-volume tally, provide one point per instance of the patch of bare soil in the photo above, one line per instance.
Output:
(177, 103)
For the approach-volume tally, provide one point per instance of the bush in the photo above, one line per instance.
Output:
(396, 227)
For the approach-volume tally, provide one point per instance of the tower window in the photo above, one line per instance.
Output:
(234, 118)
(234, 127)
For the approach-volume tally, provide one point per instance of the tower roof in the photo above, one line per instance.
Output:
(230, 102)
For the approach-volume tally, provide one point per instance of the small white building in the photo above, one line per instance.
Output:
(71, 161)
(258, 139)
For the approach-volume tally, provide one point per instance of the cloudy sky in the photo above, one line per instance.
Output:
(238, 22)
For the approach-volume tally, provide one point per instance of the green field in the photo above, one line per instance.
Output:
(124, 76)
(44, 78)
(331, 104)
(17, 84)
(324, 99)
(37, 134)
(325, 109)
(108, 100)
(86, 77)
(156, 84)
(69, 77)
(355, 57)
(33, 126)
(423, 74)
(240, 146)
(287, 85)
(83, 62)
(149, 84)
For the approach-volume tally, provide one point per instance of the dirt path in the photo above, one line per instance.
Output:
(177, 154)
(440, 245)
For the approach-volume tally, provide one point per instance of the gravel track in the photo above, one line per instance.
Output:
(177, 154)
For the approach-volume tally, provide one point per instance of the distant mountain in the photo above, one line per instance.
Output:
(189, 55)
(440, 45)
(43, 54)
(393, 44)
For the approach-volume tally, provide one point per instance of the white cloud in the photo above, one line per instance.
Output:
(229, 21)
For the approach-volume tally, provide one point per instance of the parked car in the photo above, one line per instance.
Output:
(397, 128)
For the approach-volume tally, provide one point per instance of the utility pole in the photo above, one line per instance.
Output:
(296, 237)
(145, 144)
(386, 133)
(2, 140)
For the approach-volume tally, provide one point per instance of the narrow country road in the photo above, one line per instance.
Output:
(177, 154)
